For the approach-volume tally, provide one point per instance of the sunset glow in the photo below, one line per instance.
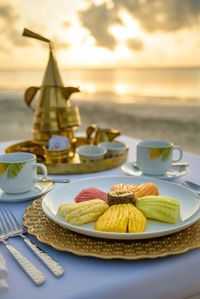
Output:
(100, 33)
(120, 89)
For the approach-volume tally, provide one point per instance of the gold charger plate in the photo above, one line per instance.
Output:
(74, 166)
(62, 239)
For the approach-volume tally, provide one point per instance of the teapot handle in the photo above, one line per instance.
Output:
(30, 94)
(89, 131)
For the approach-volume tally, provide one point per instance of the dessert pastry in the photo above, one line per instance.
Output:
(128, 187)
(146, 189)
(114, 219)
(84, 212)
(65, 208)
(120, 196)
(138, 190)
(136, 221)
(159, 208)
(121, 218)
(91, 193)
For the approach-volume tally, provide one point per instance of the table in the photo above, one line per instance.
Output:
(173, 277)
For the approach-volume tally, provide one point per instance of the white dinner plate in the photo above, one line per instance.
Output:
(175, 171)
(38, 190)
(190, 203)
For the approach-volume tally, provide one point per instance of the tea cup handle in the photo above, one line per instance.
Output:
(180, 153)
(44, 170)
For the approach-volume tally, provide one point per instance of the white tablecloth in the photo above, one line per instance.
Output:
(173, 277)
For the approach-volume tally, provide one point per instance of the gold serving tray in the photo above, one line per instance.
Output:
(62, 239)
(74, 166)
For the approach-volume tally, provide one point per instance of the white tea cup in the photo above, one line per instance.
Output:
(18, 172)
(91, 152)
(114, 148)
(155, 157)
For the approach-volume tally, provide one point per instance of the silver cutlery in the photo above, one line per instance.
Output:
(195, 187)
(184, 164)
(31, 270)
(55, 180)
(15, 229)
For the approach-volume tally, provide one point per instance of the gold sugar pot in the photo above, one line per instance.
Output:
(95, 135)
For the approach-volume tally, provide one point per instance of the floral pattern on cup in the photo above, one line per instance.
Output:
(162, 153)
(154, 157)
(13, 169)
(18, 172)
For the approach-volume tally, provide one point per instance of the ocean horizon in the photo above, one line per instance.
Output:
(174, 85)
(142, 103)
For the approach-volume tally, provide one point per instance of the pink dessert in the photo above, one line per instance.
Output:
(91, 193)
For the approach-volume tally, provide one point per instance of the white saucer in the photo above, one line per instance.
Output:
(175, 172)
(38, 190)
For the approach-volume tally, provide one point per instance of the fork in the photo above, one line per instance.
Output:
(15, 229)
(31, 270)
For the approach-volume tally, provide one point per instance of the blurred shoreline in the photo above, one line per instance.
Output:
(142, 119)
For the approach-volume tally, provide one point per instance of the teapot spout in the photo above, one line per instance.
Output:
(112, 134)
(103, 135)
(68, 91)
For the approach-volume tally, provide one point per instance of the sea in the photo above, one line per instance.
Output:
(134, 85)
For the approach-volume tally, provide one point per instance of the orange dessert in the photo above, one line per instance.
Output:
(138, 190)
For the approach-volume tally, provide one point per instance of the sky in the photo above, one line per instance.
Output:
(101, 33)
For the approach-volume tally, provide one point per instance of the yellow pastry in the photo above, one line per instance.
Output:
(114, 219)
(83, 212)
(136, 220)
(121, 218)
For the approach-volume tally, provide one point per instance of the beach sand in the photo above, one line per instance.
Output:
(179, 124)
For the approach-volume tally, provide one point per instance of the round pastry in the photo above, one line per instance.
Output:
(138, 190)
(119, 197)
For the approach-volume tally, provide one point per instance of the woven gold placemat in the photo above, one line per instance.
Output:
(62, 239)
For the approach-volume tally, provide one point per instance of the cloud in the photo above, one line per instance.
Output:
(135, 44)
(9, 23)
(11, 31)
(4, 49)
(152, 15)
(66, 24)
(61, 45)
(97, 19)
(161, 15)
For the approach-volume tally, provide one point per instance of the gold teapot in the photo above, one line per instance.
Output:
(54, 113)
